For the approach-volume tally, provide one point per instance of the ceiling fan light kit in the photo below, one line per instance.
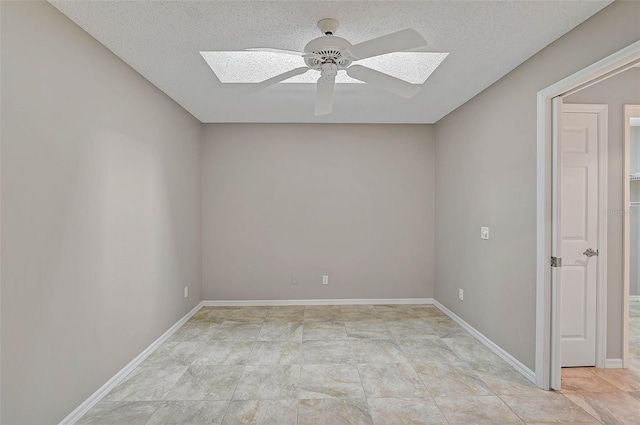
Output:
(329, 54)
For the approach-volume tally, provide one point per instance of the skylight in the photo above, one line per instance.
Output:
(254, 67)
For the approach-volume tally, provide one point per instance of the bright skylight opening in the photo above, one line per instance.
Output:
(254, 67)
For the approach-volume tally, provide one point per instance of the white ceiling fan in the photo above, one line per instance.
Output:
(329, 54)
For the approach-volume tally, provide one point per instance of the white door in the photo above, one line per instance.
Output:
(578, 148)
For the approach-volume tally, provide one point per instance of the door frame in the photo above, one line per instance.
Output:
(612, 64)
(629, 111)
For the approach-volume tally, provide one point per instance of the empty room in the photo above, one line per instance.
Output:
(319, 212)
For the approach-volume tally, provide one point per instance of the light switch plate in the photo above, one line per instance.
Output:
(484, 233)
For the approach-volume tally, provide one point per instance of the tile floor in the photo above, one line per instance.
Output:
(334, 365)
(610, 395)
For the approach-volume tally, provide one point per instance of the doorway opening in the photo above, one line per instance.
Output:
(549, 242)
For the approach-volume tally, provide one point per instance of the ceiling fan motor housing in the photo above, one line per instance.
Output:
(327, 49)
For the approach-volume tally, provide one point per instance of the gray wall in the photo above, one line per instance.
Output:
(622, 89)
(100, 214)
(354, 202)
(486, 176)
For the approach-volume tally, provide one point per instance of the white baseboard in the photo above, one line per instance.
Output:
(74, 416)
(613, 364)
(337, 301)
(634, 298)
(517, 365)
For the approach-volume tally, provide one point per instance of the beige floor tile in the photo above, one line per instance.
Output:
(609, 408)
(261, 412)
(327, 352)
(224, 353)
(577, 372)
(174, 354)
(146, 384)
(328, 331)
(292, 311)
(623, 379)
(248, 314)
(194, 331)
(442, 326)
(322, 313)
(119, 413)
(367, 330)
(232, 330)
(427, 349)
(281, 329)
(503, 379)
(391, 381)
(334, 412)
(378, 351)
(189, 412)
(359, 313)
(486, 410)
(427, 311)
(409, 327)
(268, 382)
(275, 352)
(208, 314)
(405, 411)
(590, 384)
(548, 407)
(360, 316)
(451, 379)
(471, 350)
(330, 381)
(206, 383)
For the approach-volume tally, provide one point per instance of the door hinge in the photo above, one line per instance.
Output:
(556, 262)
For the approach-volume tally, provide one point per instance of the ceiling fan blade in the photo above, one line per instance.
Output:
(324, 94)
(283, 52)
(271, 50)
(395, 42)
(274, 80)
(383, 81)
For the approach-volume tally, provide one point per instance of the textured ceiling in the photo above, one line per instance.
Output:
(162, 41)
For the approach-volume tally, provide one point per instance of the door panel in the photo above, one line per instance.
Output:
(574, 299)
(579, 215)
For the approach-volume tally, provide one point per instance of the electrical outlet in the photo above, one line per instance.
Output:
(294, 280)
(325, 280)
(484, 233)
(186, 291)
(460, 294)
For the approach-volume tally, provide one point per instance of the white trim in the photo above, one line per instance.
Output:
(613, 364)
(603, 224)
(629, 111)
(634, 299)
(619, 59)
(517, 365)
(337, 301)
(94, 398)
